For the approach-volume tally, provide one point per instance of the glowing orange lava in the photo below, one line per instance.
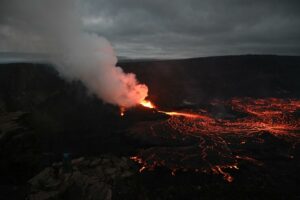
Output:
(219, 141)
(122, 111)
(147, 104)
(183, 114)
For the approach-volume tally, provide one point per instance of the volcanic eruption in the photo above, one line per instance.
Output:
(77, 55)
(105, 99)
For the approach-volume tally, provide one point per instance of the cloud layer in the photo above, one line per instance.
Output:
(197, 28)
(174, 29)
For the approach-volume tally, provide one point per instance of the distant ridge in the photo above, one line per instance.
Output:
(12, 57)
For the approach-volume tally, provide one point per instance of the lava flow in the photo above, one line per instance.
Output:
(273, 115)
(149, 104)
(201, 140)
(183, 114)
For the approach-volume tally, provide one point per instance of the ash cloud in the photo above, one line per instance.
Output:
(55, 27)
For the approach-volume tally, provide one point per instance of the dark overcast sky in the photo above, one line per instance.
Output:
(192, 28)
(188, 28)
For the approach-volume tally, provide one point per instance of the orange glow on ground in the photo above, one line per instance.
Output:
(183, 114)
(189, 115)
(219, 138)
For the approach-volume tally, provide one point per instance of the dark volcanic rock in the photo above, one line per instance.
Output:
(19, 154)
(42, 117)
(88, 178)
(199, 80)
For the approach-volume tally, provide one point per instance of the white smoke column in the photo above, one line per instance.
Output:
(78, 55)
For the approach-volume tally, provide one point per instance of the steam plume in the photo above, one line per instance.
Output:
(55, 27)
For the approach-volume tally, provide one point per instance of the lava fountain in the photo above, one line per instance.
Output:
(147, 104)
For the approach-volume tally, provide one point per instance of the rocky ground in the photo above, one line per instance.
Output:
(81, 178)
(58, 142)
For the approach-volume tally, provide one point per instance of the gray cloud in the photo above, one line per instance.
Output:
(173, 29)
(197, 28)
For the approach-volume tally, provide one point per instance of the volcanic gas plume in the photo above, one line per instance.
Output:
(54, 27)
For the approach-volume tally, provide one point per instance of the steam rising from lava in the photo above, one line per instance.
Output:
(56, 27)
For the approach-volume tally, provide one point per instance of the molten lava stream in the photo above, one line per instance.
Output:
(275, 116)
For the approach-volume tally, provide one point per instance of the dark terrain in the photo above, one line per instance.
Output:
(43, 117)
